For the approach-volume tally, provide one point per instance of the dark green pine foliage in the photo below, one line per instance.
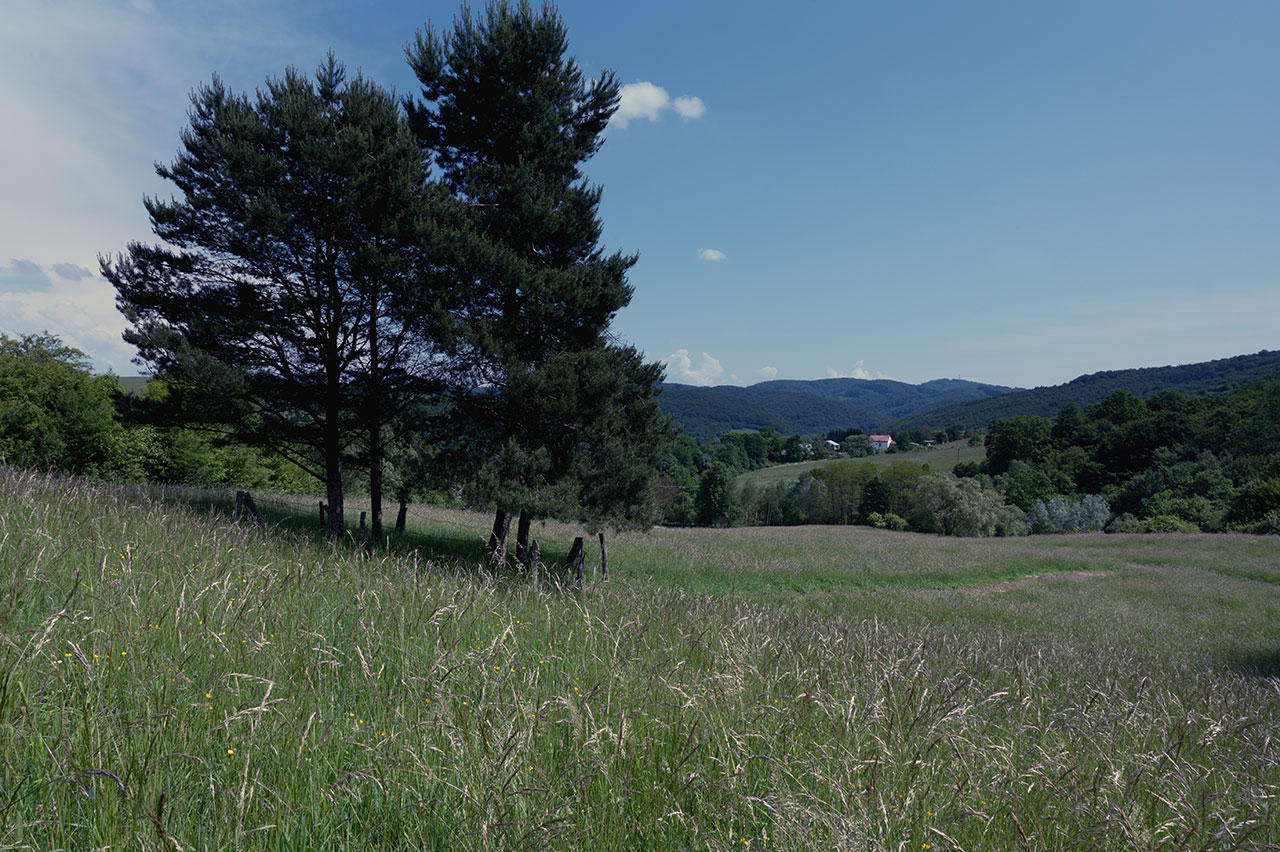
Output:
(292, 302)
(556, 419)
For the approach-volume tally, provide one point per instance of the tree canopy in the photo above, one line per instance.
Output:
(293, 300)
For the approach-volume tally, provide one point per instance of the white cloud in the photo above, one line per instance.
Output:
(690, 107)
(767, 372)
(680, 368)
(643, 99)
(82, 313)
(713, 255)
(858, 372)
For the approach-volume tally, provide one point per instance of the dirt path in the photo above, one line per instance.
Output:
(983, 591)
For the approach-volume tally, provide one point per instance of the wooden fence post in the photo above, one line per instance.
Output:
(604, 557)
(498, 540)
(533, 560)
(244, 503)
(574, 561)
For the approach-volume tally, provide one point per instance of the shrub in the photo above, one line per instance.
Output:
(1060, 515)
(887, 521)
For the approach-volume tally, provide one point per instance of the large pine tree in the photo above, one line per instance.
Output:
(510, 119)
(292, 300)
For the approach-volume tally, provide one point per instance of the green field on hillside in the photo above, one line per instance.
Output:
(171, 679)
(940, 458)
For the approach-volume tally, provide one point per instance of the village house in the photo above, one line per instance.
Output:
(881, 442)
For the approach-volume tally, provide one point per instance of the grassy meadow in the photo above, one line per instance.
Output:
(941, 458)
(171, 679)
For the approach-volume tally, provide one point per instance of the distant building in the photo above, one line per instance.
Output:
(832, 446)
(882, 442)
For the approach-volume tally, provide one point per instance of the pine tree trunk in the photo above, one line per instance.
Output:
(402, 515)
(375, 424)
(375, 481)
(333, 478)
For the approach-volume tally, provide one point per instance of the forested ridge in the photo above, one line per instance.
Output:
(791, 406)
(1203, 377)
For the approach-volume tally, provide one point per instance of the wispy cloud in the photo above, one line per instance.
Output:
(23, 276)
(646, 100)
(681, 369)
(71, 272)
(713, 255)
(767, 372)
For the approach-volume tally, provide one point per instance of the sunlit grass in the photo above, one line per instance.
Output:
(171, 680)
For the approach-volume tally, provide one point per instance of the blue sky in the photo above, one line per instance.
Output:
(1011, 192)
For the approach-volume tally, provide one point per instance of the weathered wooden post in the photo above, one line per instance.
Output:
(522, 536)
(533, 560)
(604, 558)
(253, 509)
(574, 561)
(498, 540)
(322, 515)
(244, 503)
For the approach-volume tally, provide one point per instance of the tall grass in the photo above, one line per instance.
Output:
(171, 680)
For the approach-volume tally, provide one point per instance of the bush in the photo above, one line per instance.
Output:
(887, 521)
(1060, 515)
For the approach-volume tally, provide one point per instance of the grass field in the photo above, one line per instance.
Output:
(939, 458)
(172, 680)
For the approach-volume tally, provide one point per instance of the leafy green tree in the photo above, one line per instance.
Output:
(1022, 438)
(1255, 501)
(713, 503)
(962, 507)
(295, 304)
(845, 483)
(510, 120)
(1024, 485)
(55, 414)
(877, 499)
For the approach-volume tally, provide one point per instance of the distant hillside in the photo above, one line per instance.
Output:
(1201, 378)
(811, 406)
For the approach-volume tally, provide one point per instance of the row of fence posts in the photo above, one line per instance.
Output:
(526, 562)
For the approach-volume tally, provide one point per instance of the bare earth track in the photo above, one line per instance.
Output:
(983, 591)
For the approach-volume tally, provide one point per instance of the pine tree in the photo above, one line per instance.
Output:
(510, 121)
(293, 300)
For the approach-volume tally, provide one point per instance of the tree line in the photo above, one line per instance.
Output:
(1170, 463)
(411, 288)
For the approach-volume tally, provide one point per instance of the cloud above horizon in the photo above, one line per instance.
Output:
(680, 368)
(858, 372)
(643, 99)
(712, 255)
(767, 372)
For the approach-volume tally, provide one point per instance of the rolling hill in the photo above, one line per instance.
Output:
(1204, 377)
(811, 406)
(792, 406)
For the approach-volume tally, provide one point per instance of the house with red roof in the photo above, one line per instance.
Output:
(882, 442)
